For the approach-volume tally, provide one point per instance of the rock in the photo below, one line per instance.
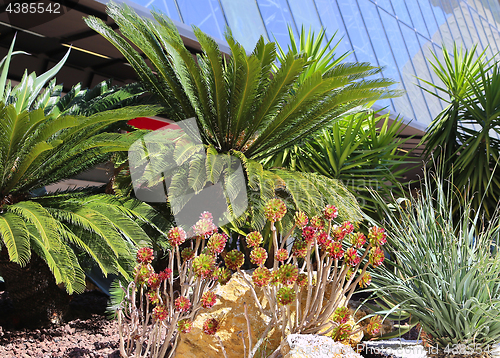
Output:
(229, 310)
(315, 346)
(358, 312)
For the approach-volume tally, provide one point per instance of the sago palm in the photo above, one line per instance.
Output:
(242, 107)
(41, 237)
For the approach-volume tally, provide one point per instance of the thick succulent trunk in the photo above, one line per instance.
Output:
(36, 298)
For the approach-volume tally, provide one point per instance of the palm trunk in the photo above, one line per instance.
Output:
(36, 298)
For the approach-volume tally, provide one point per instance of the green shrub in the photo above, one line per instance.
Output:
(444, 274)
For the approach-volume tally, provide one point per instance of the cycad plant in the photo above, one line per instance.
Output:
(360, 150)
(41, 236)
(464, 137)
(445, 271)
(244, 108)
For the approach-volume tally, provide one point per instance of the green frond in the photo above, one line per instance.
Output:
(40, 219)
(15, 237)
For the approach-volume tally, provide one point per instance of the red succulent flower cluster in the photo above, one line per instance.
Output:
(254, 239)
(366, 280)
(234, 259)
(341, 315)
(187, 254)
(185, 325)
(154, 281)
(144, 255)
(258, 256)
(203, 265)
(208, 299)
(330, 212)
(210, 326)
(285, 295)
(287, 274)
(261, 276)
(160, 312)
(302, 280)
(377, 236)
(176, 236)
(217, 243)
(301, 219)
(281, 255)
(165, 274)
(347, 227)
(376, 256)
(299, 248)
(334, 250)
(142, 272)
(317, 222)
(182, 303)
(204, 227)
(351, 257)
(222, 275)
(342, 332)
(153, 297)
(308, 234)
(373, 327)
(274, 210)
(357, 240)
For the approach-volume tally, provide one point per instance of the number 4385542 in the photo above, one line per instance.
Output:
(33, 8)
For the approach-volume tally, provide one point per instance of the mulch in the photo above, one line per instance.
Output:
(87, 333)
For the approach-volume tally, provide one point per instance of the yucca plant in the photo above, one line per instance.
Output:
(41, 236)
(463, 138)
(243, 107)
(445, 272)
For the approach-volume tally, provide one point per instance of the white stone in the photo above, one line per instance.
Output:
(315, 346)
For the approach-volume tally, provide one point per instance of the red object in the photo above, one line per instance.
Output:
(150, 123)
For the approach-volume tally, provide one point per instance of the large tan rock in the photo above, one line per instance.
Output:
(314, 346)
(229, 309)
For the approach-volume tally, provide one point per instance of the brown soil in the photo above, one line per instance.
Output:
(87, 333)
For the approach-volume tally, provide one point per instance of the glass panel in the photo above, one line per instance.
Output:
(357, 31)
(245, 21)
(386, 5)
(493, 38)
(419, 66)
(442, 23)
(206, 14)
(466, 27)
(424, 72)
(401, 11)
(332, 21)
(379, 42)
(474, 32)
(304, 12)
(487, 11)
(449, 8)
(276, 16)
(480, 31)
(403, 62)
(489, 34)
(496, 36)
(430, 20)
(416, 16)
(476, 4)
(495, 10)
(166, 6)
